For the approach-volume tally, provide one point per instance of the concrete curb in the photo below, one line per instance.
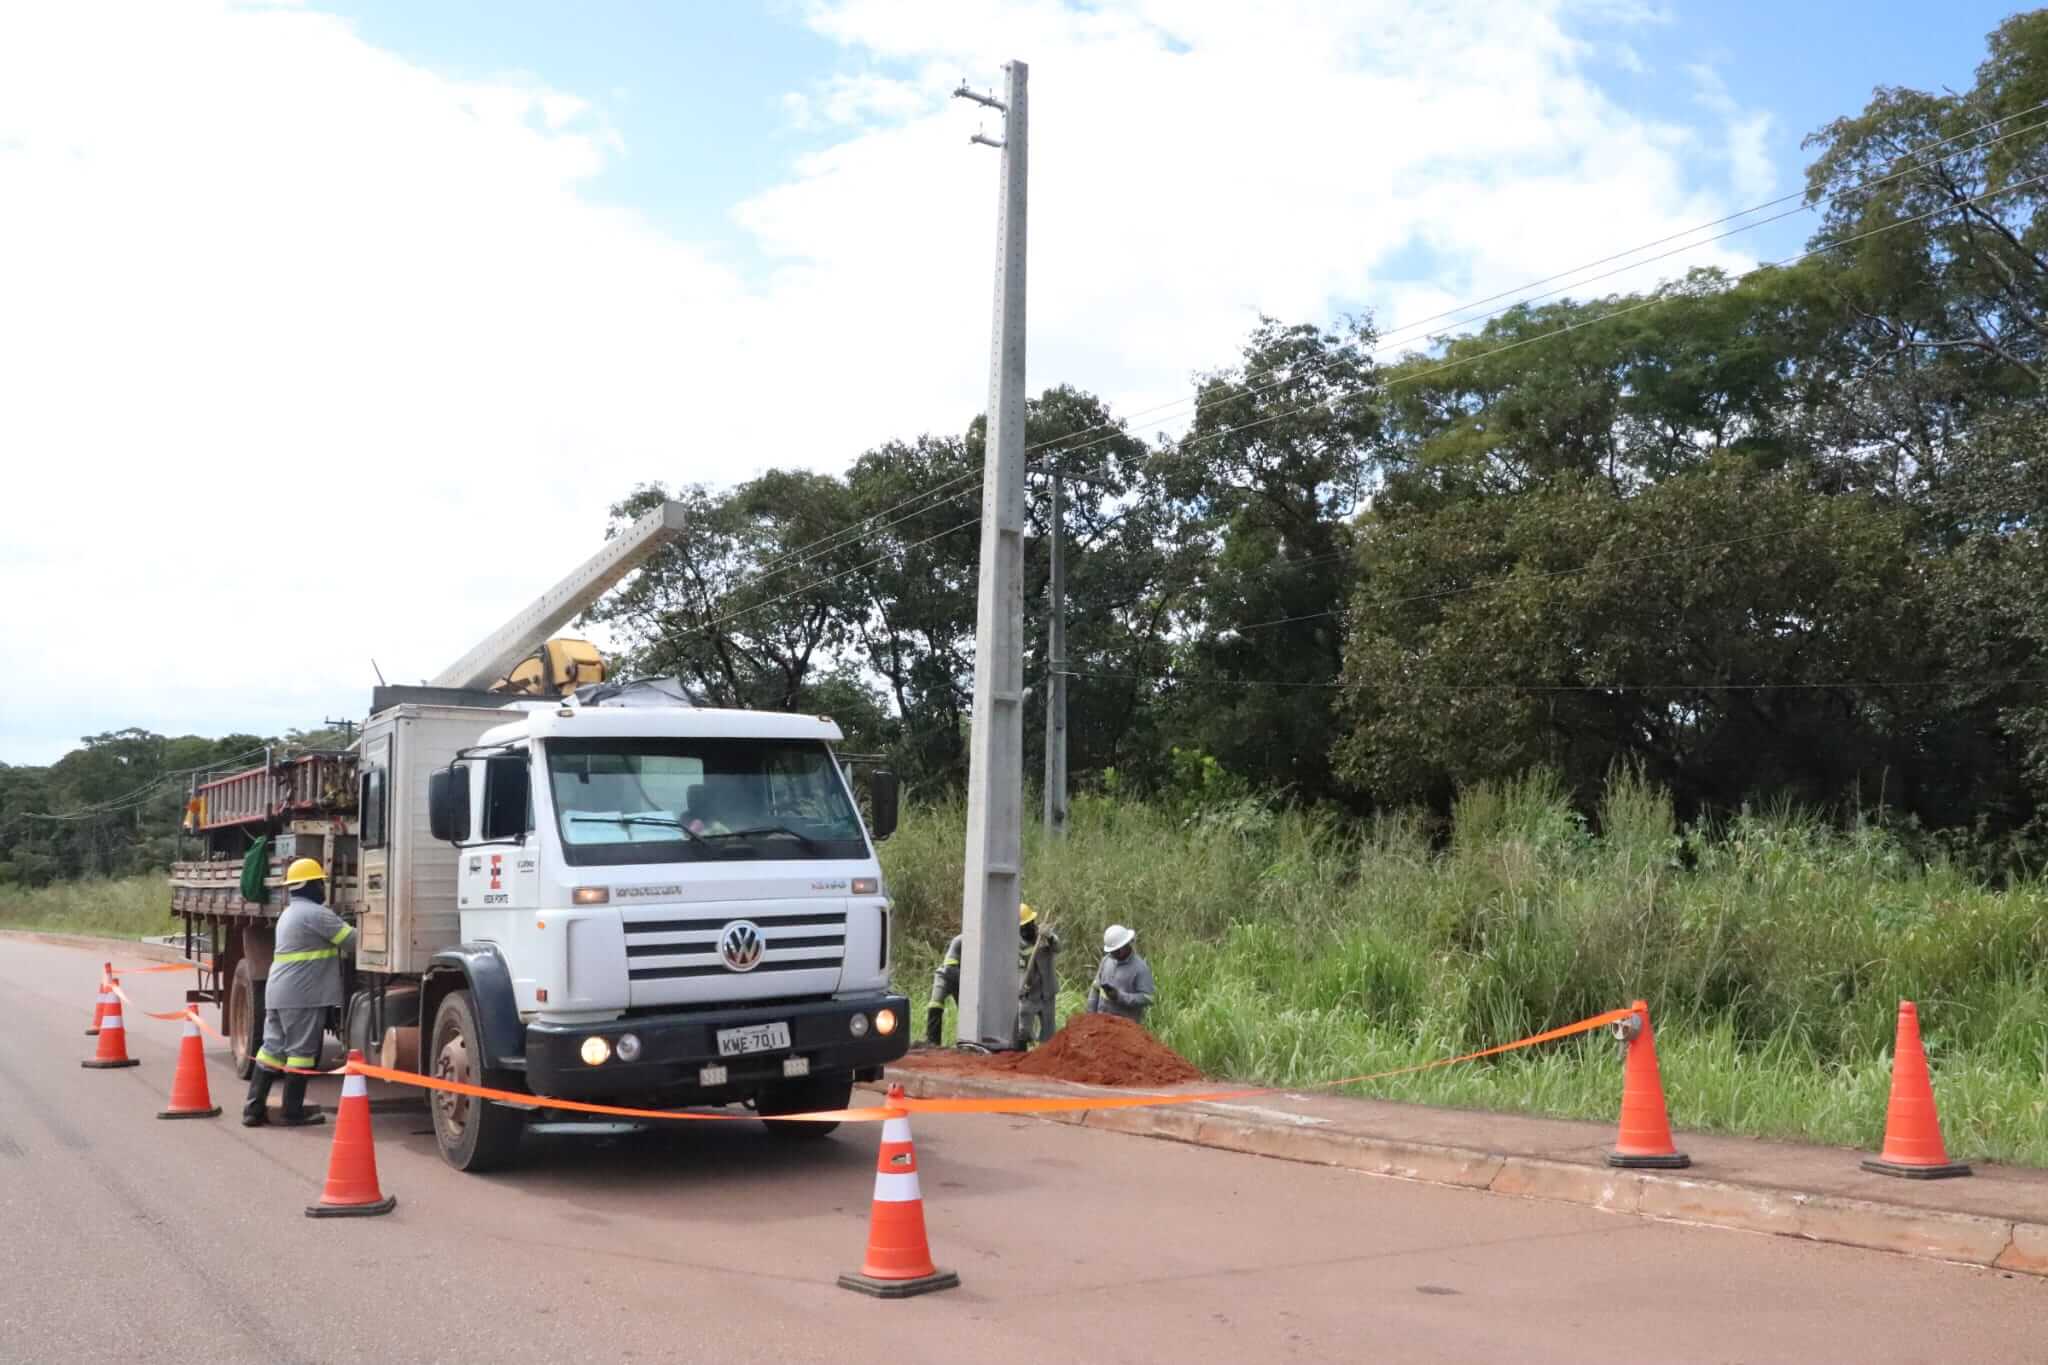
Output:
(126, 947)
(1963, 1238)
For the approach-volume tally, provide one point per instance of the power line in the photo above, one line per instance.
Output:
(1183, 680)
(1447, 366)
(1454, 310)
(1469, 359)
(1500, 580)
(826, 544)
(833, 578)
(140, 796)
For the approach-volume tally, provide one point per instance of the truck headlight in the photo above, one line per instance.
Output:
(885, 1022)
(596, 1051)
(629, 1047)
(858, 1025)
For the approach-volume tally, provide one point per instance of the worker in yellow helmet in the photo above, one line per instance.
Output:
(305, 982)
(946, 977)
(1040, 991)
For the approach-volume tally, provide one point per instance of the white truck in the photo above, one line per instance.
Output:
(608, 895)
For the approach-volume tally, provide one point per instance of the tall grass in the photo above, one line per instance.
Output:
(1774, 952)
(131, 907)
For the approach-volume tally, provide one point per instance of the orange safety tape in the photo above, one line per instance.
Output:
(1023, 1104)
(1059, 1105)
(869, 1114)
(197, 964)
(192, 1012)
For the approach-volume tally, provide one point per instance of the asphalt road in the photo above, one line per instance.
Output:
(126, 1239)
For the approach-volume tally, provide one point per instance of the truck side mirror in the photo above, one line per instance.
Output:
(448, 804)
(885, 794)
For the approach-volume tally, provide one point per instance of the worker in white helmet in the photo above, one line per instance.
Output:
(1123, 983)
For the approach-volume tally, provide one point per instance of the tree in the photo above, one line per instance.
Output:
(1264, 484)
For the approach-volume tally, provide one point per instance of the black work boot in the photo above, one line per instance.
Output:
(296, 1113)
(253, 1111)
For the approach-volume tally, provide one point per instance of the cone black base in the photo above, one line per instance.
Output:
(384, 1205)
(109, 1066)
(1677, 1161)
(1880, 1167)
(212, 1113)
(92, 1033)
(899, 1289)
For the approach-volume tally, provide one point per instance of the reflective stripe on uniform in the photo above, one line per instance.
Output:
(309, 955)
(269, 1058)
(341, 937)
(301, 1063)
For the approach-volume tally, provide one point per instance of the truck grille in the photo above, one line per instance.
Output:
(667, 949)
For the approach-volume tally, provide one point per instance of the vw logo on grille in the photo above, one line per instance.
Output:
(740, 946)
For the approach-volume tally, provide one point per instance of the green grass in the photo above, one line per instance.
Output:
(133, 907)
(1773, 953)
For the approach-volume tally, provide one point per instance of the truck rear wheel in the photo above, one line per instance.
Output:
(804, 1097)
(474, 1134)
(241, 1018)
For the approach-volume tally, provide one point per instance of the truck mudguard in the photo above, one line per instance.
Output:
(490, 990)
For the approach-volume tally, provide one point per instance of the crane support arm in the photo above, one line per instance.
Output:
(520, 636)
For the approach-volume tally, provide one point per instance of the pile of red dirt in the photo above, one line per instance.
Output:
(1093, 1049)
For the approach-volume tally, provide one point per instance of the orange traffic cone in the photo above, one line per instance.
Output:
(106, 998)
(1912, 1129)
(1645, 1138)
(113, 1049)
(352, 1163)
(190, 1098)
(899, 1260)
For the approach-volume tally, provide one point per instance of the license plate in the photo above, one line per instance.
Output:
(738, 1042)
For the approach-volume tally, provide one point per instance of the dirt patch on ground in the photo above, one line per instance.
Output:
(1093, 1049)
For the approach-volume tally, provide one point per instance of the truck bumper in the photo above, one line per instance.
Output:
(676, 1047)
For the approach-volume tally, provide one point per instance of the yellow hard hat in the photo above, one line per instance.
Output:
(1025, 914)
(303, 870)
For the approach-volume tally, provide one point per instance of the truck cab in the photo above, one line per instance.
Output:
(658, 905)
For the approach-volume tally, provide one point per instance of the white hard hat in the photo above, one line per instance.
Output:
(1116, 936)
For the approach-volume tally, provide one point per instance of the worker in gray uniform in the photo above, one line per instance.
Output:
(305, 982)
(1040, 991)
(946, 978)
(1123, 983)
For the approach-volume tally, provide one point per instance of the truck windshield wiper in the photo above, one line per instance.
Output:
(646, 818)
(806, 840)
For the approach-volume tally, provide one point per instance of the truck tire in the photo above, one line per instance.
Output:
(803, 1097)
(474, 1135)
(241, 1018)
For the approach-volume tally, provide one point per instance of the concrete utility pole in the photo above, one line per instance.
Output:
(1056, 676)
(995, 765)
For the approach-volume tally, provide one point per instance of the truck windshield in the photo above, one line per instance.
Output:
(699, 800)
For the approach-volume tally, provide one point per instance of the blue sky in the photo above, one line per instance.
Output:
(696, 89)
(449, 266)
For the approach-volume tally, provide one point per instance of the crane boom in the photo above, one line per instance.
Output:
(518, 637)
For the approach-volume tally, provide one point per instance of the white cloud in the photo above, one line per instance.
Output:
(313, 354)
(1747, 133)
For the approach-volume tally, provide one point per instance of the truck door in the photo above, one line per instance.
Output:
(373, 842)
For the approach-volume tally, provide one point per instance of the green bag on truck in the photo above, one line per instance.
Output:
(256, 871)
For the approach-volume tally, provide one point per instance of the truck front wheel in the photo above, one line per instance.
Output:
(804, 1097)
(474, 1134)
